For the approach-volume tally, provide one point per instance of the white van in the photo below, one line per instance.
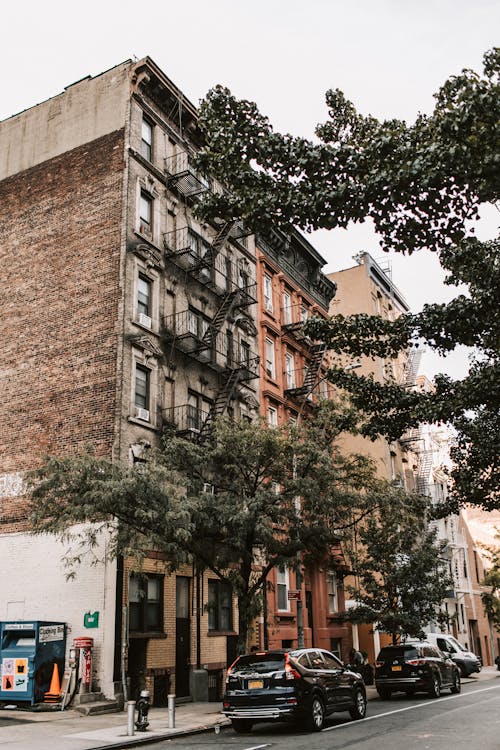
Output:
(467, 662)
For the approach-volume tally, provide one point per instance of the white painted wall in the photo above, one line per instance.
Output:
(36, 589)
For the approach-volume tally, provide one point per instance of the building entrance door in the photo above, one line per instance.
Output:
(182, 637)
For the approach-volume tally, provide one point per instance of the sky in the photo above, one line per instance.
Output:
(388, 56)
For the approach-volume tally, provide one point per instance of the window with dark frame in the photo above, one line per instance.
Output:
(220, 606)
(146, 213)
(141, 394)
(147, 138)
(146, 603)
(144, 295)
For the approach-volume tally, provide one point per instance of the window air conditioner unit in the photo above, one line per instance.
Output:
(144, 320)
(142, 414)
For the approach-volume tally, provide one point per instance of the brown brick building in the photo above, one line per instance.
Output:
(121, 314)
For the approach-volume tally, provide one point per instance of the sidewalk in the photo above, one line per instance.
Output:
(69, 730)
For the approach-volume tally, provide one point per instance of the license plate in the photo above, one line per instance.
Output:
(255, 684)
(397, 669)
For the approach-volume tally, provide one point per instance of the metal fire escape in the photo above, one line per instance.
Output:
(202, 338)
(311, 373)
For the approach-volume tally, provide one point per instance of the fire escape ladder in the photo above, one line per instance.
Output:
(221, 402)
(221, 237)
(424, 468)
(220, 316)
(312, 372)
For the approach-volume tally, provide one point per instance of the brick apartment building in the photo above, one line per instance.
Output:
(292, 288)
(122, 315)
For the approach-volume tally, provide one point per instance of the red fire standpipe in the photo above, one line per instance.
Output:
(85, 646)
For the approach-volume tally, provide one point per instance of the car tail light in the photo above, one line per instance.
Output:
(415, 662)
(290, 672)
(379, 663)
(230, 669)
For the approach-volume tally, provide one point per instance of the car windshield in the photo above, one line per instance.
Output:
(260, 663)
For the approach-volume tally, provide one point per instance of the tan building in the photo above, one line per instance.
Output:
(367, 288)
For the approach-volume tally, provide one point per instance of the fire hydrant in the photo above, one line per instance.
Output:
(142, 722)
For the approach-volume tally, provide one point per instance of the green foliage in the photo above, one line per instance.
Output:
(401, 580)
(421, 185)
(249, 524)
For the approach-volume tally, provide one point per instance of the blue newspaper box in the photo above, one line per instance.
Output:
(28, 653)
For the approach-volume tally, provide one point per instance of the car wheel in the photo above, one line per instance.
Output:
(384, 693)
(457, 685)
(316, 717)
(463, 671)
(242, 726)
(358, 711)
(435, 688)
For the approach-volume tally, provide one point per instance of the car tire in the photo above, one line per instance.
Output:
(457, 685)
(435, 687)
(316, 716)
(242, 726)
(463, 671)
(384, 693)
(358, 711)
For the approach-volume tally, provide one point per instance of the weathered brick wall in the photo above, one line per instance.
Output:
(60, 225)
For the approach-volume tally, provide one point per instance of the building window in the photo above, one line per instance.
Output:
(244, 354)
(289, 371)
(272, 416)
(145, 603)
(146, 213)
(268, 293)
(282, 586)
(144, 286)
(147, 139)
(141, 392)
(197, 324)
(331, 584)
(336, 647)
(243, 279)
(304, 314)
(287, 308)
(198, 408)
(270, 358)
(220, 606)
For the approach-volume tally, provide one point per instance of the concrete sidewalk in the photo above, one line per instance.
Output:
(69, 730)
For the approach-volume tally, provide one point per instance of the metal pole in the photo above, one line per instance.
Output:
(130, 718)
(124, 651)
(171, 711)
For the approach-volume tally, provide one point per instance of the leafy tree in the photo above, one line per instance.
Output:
(248, 525)
(421, 185)
(401, 580)
(491, 597)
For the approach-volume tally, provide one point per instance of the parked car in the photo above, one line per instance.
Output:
(466, 661)
(302, 685)
(415, 666)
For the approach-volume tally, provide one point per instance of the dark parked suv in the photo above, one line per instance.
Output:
(302, 685)
(415, 666)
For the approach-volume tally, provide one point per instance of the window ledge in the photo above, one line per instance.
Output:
(148, 634)
(213, 633)
(142, 423)
(285, 615)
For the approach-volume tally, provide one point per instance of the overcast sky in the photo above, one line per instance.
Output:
(388, 56)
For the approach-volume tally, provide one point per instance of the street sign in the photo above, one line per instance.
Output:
(294, 594)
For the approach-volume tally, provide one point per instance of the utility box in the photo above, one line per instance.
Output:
(28, 653)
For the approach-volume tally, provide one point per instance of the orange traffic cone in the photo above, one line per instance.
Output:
(55, 688)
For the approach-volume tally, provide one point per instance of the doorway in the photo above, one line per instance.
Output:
(182, 636)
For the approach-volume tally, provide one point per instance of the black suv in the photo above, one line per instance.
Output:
(302, 685)
(415, 666)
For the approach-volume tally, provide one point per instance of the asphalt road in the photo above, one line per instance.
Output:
(468, 721)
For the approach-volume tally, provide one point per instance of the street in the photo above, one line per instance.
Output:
(467, 721)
